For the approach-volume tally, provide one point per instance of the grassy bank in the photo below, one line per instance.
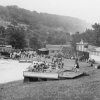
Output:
(83, 88)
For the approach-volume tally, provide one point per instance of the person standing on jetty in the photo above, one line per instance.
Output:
(76, 64)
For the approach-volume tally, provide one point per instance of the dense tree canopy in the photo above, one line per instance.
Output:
(20, 27)
(91, 36)
(16, 37)
(2, 35)
(35, 43)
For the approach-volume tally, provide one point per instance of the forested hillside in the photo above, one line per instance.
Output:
(42, 20)
(38, 27)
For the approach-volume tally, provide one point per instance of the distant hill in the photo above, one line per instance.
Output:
(41, 22)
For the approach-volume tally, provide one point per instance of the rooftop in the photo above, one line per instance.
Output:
(55, 47)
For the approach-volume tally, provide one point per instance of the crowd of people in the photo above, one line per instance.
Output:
(46, 64)
(22, 54)
(40, 62)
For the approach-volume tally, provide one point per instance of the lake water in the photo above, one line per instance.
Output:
(11, 70)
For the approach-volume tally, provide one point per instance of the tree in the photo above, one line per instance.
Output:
(34, 43)
(91, 36)
(96, 26)
(2, 30)
(16, 37)
(49, 39)
(75, 38)
(96, 30)
(2, 35)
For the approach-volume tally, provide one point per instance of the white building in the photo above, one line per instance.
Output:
(95, 54)
(82, 46)
(5, 48)
(94, 51)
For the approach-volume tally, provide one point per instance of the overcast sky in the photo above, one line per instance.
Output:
(88, 10)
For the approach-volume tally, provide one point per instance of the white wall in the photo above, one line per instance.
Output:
(95, 57)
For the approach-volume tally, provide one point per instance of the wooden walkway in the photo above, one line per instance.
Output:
(70, 74)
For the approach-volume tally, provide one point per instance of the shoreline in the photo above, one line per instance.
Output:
(82, 88)
(16, 81)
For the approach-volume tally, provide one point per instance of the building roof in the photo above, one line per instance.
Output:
(81, 43)
(8, 46)
(55, 47)
(43, 49)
